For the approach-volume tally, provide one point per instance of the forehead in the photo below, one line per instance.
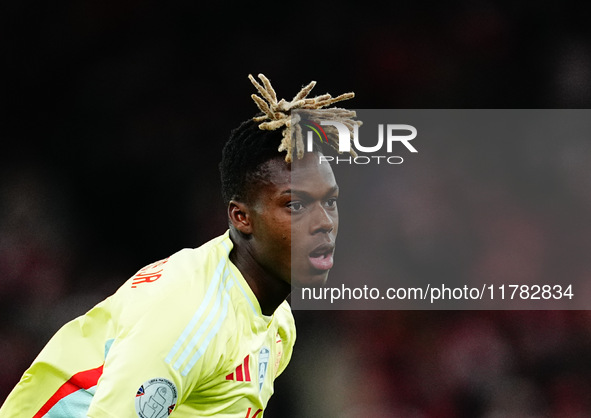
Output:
(306, 174)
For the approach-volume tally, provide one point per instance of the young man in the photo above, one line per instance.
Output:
(206, 331)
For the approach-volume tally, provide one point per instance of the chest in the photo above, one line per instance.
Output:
(244, 386)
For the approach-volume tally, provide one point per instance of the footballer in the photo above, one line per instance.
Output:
(205, 331)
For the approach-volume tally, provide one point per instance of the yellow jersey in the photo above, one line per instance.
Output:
(184, 337)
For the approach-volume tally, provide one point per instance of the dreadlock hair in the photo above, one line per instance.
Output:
(287, 115)
(261, 138)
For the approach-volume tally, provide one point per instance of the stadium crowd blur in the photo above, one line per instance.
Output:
(115, 116)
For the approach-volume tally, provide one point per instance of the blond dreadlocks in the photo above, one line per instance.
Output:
(283, 114)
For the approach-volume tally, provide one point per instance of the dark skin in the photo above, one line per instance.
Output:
(284, 234)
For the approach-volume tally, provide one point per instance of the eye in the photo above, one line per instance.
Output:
(332, 202)
(295, 206)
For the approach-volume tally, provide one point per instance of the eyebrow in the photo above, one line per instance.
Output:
(307, 195)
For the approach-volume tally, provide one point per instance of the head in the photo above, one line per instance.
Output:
(284, 213)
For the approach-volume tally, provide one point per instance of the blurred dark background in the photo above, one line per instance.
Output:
(113, 119)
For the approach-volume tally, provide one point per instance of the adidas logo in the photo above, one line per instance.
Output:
(242, 373)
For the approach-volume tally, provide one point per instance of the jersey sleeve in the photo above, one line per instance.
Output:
(61, 379)
(151, 365)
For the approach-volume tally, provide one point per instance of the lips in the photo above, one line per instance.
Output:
(321, 257)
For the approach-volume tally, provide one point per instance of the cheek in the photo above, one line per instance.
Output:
(298, 242)
(281, 231)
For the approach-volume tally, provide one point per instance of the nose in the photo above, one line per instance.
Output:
(323, 221)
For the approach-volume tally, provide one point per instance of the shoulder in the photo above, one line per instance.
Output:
(285, 323)
(174, 286)
(182, 268)
(286, 336)
(174, 308)
(284, 315)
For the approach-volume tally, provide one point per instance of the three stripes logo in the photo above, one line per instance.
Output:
(242, 373)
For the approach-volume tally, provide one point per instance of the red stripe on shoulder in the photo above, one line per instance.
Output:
(81, 380)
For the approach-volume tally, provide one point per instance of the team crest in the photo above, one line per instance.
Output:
(263, 365)
(156, 398)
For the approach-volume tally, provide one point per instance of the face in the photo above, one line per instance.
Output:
(295, 221)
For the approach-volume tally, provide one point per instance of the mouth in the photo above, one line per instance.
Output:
(321, 257)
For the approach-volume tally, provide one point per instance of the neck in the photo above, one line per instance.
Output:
(269, 290)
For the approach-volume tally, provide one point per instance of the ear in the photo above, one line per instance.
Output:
(239, 215)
